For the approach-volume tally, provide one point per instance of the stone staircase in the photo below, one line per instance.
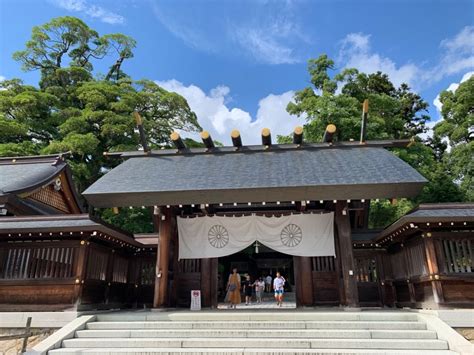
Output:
(227, 332)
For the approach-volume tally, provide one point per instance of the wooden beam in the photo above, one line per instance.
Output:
(166, 224)
(237, 142)
(298, 135)
(266, 137)
(236, 139)
(304, 280)
(363, 128)
(80, 266)
(68, 194)
(207, 139)
(141, 131)
(343, 227)
(177, 141)
(206, 284)
(328, 136)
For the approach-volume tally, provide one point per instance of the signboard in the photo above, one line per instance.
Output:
(195, 300)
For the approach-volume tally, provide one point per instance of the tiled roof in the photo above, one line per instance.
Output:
(272, 175)
(22, 174)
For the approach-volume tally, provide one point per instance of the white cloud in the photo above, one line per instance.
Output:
(90, 10)
(219, 119)
(356, 53)
(263, 33)
(457, 55)
(271, 42)
(2, 78)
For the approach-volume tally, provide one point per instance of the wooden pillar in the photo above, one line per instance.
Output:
(304, 280)
(81, 268)
(109, 275)
(214, 281)
(411, 287)
(206, 282)
(166, 224)
(433, 268)
(346, 256)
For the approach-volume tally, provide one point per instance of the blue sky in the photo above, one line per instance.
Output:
(239, 62)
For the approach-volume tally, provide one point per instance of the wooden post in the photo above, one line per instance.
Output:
(160, 298)
(411, 287)
(80, 267)
(214, 281)
(433, 268)
(27, 335)
(304, 280)
(343, 226)
(206, 282)
(109, 275)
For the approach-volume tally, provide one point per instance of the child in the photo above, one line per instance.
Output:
(259, 288)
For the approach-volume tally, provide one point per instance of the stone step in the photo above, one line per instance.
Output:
(279, 343)
(408, 325)
(260, 316)
(257, 333)
(246, 351)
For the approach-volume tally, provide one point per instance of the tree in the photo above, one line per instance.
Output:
(394, 112)
(79, 110)
(457, 127)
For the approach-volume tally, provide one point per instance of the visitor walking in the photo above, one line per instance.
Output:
(233, 289)
(248, 285)
(278, 287)
(268, 282)
(259, 288)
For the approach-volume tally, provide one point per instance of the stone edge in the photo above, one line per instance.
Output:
(38, 319)
(55, 340)
(456, 341)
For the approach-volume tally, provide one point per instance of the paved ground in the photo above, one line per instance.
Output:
(289, 302)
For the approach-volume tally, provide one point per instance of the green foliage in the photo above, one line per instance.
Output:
(394, 112)
(458, 127)
(132, 220)
(384, 212)
(75, 109)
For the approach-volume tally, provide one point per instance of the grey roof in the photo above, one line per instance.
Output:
(60, 223)
(21, 174)
(443, 212)
(434, 213)
(271, 175)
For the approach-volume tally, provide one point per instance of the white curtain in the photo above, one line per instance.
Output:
(296, 234)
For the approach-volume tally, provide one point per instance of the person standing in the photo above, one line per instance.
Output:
(248, 290)
(233, 289)
(278, 288)
(268, 282)
(259, 288)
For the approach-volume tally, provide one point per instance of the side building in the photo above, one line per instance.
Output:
(53, 256)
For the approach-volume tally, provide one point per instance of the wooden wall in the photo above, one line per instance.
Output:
(73, 274)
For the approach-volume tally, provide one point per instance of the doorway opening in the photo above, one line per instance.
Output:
(257, 261)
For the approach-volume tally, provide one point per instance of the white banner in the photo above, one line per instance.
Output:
(216, 236)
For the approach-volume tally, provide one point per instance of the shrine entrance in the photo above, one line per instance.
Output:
(258, 261)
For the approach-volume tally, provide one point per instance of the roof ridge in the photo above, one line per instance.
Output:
(46, 217)
(26, 158)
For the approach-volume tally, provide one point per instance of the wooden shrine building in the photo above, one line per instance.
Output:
(425, 259)
(52, 255)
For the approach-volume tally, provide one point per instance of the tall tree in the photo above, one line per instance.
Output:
(394, 113)
(457, 127)
(80, 110)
